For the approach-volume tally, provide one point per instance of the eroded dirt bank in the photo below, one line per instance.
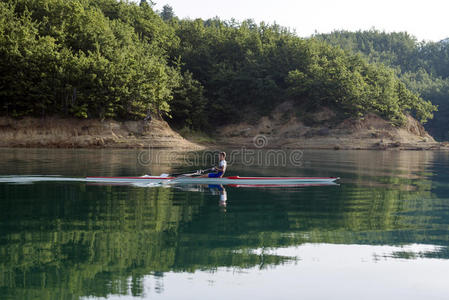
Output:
(284, 129)
(67, 133)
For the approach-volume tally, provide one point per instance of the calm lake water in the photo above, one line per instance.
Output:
(383, 233)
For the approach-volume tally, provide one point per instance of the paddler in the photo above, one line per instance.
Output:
(220, 169)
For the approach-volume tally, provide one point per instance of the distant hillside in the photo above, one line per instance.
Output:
(422, 66)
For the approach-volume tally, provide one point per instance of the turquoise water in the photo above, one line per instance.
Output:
(383, 233)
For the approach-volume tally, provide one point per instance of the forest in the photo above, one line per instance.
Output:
(422, 66)
(125, 60)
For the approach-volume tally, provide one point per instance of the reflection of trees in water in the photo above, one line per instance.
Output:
(91, 245)
(59, 238)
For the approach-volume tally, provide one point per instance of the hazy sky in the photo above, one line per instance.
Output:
(427, 20)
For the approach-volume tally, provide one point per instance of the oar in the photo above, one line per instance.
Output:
(192, 173)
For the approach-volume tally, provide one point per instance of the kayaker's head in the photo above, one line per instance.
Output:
(222, 155)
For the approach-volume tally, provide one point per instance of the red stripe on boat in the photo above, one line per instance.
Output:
(230, 177)
(278, 178)
(93, 177)
(278, 185)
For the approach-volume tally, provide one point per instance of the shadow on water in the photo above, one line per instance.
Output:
(65, 240)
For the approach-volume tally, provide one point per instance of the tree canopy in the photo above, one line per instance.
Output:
(85, 58)
(422, 66)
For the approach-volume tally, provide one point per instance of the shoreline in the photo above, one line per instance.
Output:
(438, 146)
(284, 130)
(337, 143)
(54, 132)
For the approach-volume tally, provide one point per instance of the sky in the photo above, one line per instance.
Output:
(426, 20)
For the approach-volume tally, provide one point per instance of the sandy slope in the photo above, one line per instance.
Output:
(64, 133)
(284, 130)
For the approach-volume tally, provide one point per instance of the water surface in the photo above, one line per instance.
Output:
(382, 233)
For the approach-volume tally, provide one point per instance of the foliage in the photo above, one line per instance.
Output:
(68, 57)
(188, 103)
(346, 81)
(437, 90)
(167, 13)
(422, 66)
(248, 69)
(118, 59)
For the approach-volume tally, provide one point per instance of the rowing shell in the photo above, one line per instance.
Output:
(232, 180)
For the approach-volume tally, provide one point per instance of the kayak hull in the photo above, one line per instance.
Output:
(231, 180)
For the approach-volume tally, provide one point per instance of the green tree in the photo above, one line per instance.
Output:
(422, 66)
(85, 58)
(167, 13)
(188, 104)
